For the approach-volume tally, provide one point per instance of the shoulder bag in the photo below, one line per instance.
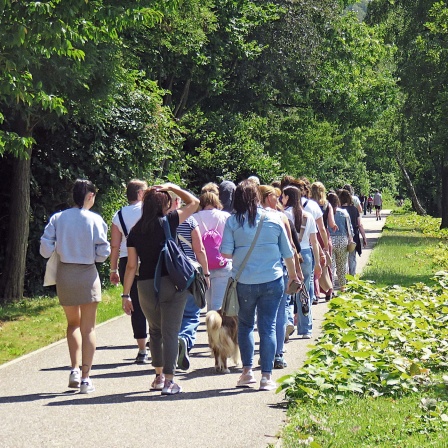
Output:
(199, 285)
(51, 269)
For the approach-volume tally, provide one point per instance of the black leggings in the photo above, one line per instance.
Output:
(138, 319)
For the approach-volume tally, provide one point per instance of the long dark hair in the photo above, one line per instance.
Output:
(80, 189)
(295, 202)
(247, 200)
(155, 204)
(333, 200)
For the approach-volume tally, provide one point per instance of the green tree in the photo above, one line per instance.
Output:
(418, 29)
(37, 40)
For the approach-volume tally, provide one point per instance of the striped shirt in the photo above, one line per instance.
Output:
(185, 230)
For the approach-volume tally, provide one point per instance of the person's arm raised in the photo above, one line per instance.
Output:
(191, 201)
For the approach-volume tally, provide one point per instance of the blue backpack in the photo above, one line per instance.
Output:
(179, 267)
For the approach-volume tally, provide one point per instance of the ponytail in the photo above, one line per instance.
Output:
(81, 188)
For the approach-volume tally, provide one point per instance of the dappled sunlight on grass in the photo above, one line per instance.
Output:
(30, 324)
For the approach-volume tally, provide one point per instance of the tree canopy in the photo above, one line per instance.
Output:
(199, 91)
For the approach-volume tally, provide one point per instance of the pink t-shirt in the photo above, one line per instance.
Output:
(212, 219)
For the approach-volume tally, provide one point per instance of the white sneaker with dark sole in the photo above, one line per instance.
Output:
(74, 379)
(87, 387)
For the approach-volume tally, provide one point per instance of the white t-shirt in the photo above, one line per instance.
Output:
(309, 228)
(312, 207)
(213, 219)
(131, 214)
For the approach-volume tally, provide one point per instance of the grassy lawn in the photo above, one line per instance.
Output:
(378, 376)
(31, 324)
(409, 251)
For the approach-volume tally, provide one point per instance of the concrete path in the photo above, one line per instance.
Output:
(38, 410)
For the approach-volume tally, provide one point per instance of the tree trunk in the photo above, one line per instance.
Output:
(415, 202)
(13, 275)
(444, 195)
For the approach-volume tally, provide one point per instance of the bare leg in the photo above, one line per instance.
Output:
(88, 321)
(74, 340)
(141, 344)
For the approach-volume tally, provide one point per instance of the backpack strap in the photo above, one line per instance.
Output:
(158, 272)
(123, 225)
(203, 223)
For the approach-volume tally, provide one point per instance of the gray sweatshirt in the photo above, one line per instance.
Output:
(80, 234)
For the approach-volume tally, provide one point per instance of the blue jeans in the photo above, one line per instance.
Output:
(352, 263)
(265, 298)
(290, 310)
(281, 321)
(305, 323)
(218, 283)
(190, 322)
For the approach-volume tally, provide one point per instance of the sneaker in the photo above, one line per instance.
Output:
(279, 362)
(74, 379)
(171, 388)
(306, 336)
(266, 384)
(87, 386)
(316, 302)
(183, 360)
(158, 383)
(245, 380)
(289, 331)
(142, 358)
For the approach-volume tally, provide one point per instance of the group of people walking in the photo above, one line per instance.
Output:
(297, 231)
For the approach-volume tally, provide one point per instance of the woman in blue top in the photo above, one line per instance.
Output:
(261, 284)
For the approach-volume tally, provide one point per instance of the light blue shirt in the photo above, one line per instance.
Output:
(264, 264)
(79, 236)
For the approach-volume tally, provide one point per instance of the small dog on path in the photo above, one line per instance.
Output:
(223, 339)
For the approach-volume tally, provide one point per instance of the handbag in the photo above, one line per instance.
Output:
(325, 283)
(199, 285)
(51, 270)
(351, 246)
(230, 305)
(302, 296)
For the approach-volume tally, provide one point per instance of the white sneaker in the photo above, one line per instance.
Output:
(266, 384)
(87, 386)
(74, 379)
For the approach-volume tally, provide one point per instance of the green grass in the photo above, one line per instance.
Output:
(410, 251)
(365, 422)
(28, 325)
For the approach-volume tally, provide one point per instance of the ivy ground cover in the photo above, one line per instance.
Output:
(377, 377)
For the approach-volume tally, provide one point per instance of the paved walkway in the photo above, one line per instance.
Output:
(38, 410)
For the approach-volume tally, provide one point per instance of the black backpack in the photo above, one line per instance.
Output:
(180, 269)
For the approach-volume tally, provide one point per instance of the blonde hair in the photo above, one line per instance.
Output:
(319, 193)
(209, 198)
(210, 187)
(266, 190)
